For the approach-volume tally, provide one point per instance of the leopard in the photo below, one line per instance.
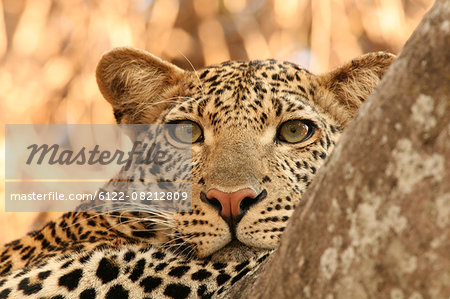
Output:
(259, 131)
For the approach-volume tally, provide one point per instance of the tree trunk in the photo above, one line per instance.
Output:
(376, 220)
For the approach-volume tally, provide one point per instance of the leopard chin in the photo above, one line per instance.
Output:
(237, 252)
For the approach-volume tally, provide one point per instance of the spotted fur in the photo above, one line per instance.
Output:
(240, 107)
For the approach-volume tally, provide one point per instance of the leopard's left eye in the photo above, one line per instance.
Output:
(186, 131)
(295, 131)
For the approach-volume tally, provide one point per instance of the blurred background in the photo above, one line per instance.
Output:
(49, 49)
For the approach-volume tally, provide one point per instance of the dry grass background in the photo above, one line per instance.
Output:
(49, 49)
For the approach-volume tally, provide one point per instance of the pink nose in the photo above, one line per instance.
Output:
(230, 202)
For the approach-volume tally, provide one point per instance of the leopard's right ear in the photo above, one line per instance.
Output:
(137, 83)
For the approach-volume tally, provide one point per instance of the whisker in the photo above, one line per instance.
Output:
(194, 71)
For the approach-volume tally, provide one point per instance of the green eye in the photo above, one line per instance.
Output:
(186, 131)
(295, 131)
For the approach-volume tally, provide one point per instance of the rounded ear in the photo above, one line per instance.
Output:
(351, 83)
(136, 83)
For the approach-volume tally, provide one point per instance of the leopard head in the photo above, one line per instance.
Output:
(260, 130)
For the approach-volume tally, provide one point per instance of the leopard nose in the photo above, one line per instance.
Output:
(230, 203)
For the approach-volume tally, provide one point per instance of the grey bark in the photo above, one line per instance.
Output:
(376, 220)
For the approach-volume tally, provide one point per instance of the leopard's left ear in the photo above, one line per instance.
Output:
(351, 83)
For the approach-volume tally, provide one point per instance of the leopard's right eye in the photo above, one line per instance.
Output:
(186, 131)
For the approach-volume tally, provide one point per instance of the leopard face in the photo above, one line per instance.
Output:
(260, 132)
